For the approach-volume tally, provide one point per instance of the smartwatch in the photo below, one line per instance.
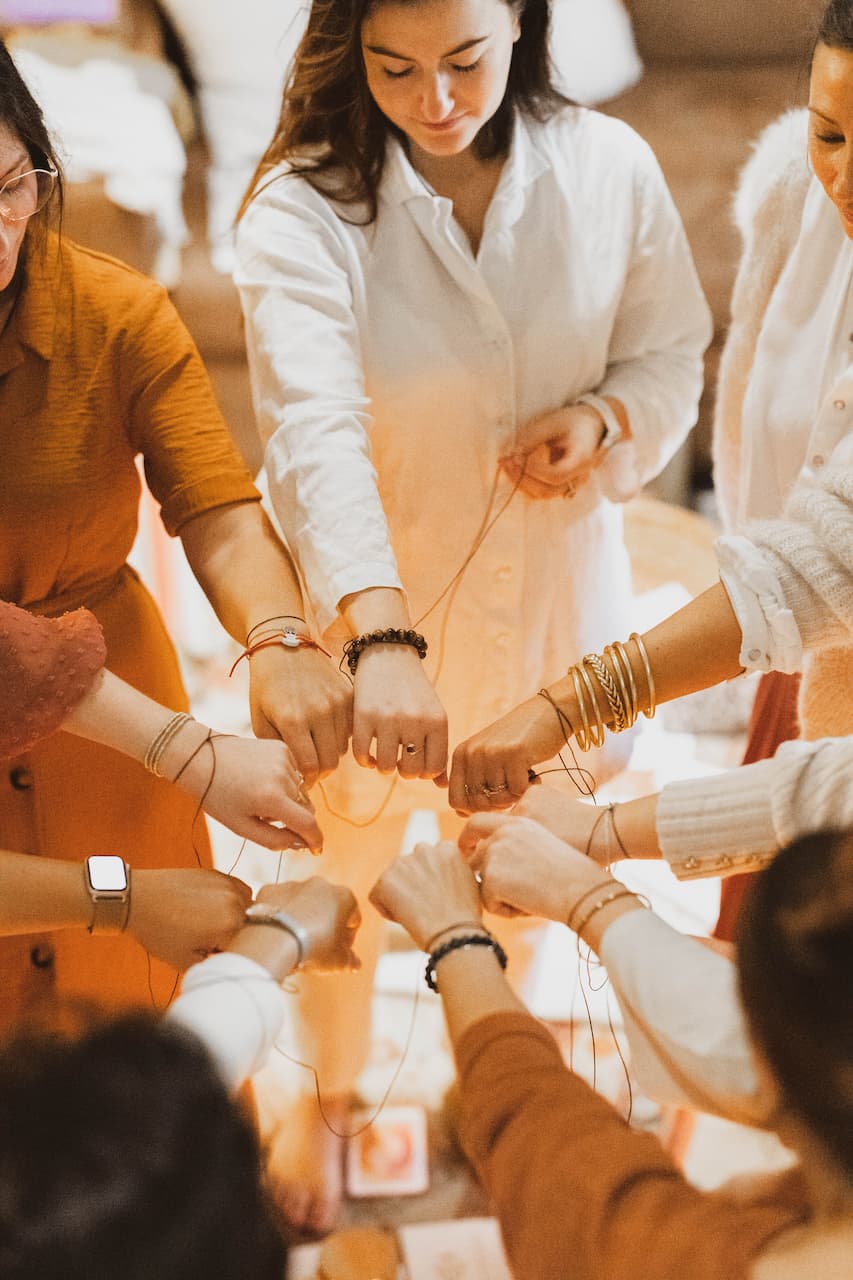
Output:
(107, 879)
(612, 427)
(262, 913)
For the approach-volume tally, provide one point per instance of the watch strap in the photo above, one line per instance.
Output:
(260, 913)
(612, 426)
(110, 907)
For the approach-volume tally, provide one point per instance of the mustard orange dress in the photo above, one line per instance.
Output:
(96, 368)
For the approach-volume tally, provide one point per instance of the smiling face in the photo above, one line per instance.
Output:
(14, 159)
(438, 69)
(831, 127)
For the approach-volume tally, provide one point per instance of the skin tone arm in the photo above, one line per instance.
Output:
(329, 915)
(179, 916)
(256, 784)
(695, 648)
(297, 695)
(431, 889)
(394, 701)
(589, 827)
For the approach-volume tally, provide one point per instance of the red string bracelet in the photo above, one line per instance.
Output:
(287, 639)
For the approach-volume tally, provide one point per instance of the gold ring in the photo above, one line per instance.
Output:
(410, 748)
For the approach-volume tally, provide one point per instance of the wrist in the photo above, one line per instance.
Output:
(273, 949)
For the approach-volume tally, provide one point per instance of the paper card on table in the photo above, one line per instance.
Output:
(390, 1157)
(464, 1249)
(302, 1261)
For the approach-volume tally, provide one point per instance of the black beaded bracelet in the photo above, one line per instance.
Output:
(353, 649)
(464, 940)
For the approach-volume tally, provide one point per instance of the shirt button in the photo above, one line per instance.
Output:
(502, 641)
(504, 573)
(839, 404)
(754, 655)
(21, 779)
(818, 460)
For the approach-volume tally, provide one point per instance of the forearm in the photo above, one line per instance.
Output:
(41, 894)
(377, 608)
(472, 986)
(242, 566)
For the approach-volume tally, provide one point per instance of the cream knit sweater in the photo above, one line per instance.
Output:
(809, 549)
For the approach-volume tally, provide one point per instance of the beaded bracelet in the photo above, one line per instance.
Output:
(353, 649)
(462, 942)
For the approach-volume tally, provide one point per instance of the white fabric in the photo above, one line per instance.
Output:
(388, 348)
(686, 1030)
(593, 50)
(783, 435)
(236, 1008)
(134, 145)
(239, 54)
(737, 821)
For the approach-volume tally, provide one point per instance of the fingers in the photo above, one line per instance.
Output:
(301, 742)
(325, 739)
(479, 828)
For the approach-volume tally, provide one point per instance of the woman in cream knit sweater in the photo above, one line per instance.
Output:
(783, 449)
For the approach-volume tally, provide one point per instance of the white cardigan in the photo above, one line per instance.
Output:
(790, 579)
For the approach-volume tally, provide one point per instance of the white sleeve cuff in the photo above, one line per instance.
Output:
(236, 1008)
(720, 825)
(771, 639)
(685, 1026)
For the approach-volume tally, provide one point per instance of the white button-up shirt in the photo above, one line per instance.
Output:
(392, 368)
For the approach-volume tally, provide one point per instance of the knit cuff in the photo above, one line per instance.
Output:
(721, 825)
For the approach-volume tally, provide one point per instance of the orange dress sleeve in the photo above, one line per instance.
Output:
(46, 666)
(191, 462)
(577, 1191)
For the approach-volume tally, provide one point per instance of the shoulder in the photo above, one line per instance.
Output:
(590, 134)
(105, 281)
(776, 173)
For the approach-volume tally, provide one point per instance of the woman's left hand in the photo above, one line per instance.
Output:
(427, 891)
(524, 869)
(555, 454)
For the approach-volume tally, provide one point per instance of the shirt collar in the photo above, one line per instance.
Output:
(527, 159)
(33, 321)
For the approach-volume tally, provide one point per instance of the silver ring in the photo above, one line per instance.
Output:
(570, 490)
(411, 749)
(493, 791)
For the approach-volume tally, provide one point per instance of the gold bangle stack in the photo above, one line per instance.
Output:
(157, 747)
(615, 677)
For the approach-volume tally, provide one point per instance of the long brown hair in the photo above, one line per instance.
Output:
(22, 116)
(332, 132)
(795, 963)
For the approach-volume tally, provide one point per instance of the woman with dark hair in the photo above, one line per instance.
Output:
(121, 1154)
(474, 329)
(95, 369)
(596, 1196)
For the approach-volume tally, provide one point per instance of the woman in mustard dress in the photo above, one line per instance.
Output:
(95, 369)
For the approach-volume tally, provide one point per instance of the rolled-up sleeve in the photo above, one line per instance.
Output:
(299, 282)
(660, 333)
(790, 581)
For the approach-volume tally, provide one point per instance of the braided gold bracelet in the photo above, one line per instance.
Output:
(611, 692)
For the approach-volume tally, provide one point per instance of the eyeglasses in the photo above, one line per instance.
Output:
(26, 194)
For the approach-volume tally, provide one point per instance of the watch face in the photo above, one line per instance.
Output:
(107, 873)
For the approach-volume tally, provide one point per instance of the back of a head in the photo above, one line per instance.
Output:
(122, 1156)
(795, 960)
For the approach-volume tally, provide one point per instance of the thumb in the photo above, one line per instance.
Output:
(479, 828)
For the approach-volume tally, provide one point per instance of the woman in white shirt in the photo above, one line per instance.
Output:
(456, 285)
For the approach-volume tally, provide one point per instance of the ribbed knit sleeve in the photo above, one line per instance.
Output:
(737, 821)
(46, 666)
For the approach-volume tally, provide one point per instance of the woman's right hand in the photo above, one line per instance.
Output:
(396, 705)
(255, 785)
(181, 915)
(491, 769)
(571, 820)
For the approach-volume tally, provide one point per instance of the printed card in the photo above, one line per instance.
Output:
(390, 1157)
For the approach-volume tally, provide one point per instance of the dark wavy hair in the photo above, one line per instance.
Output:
(795, 960)
(331, 131)
(836, 25)
(22, 115)
(122, 1157)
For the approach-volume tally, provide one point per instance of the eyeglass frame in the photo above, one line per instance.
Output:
(52, 172)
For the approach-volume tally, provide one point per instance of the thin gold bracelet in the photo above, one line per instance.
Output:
(597, 737)
(649, 713)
